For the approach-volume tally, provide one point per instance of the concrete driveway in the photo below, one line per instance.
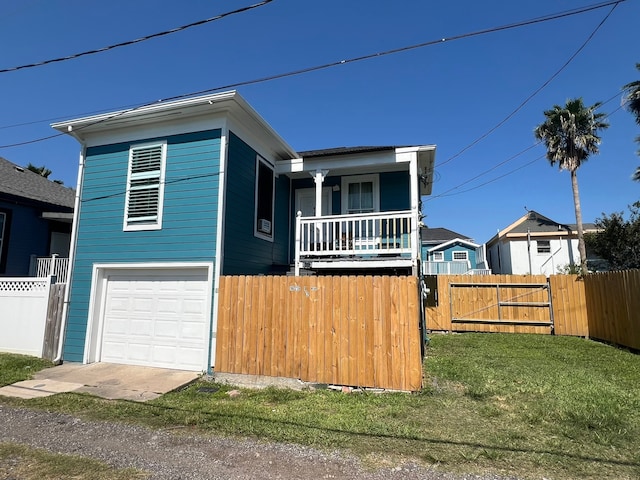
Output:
(106, 380)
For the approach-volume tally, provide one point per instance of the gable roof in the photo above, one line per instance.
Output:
(20, 182)
(439, 235)
(534, 224)
(94, 129)
(453, 241)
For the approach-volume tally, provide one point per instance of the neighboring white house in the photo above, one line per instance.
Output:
(534, 244)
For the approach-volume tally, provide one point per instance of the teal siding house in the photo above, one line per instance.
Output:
(174, 195)
(445, 252)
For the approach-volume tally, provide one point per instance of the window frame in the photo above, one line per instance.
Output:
(3, 229)
(438, 254)
(269, 237)
(349, 179)
(546, 247)
(465, 259)
(131, 226)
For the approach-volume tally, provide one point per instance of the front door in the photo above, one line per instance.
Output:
(306, 201)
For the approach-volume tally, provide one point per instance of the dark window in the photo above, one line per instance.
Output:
(5, 222)
(264, 198)
(544, 246)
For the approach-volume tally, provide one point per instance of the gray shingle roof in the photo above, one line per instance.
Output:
(440, 235)
(344, 151)
(536, 222)
(20, 182)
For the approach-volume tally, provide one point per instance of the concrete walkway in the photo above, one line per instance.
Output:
(106, 380)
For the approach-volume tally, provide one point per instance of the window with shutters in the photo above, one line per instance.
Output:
(145, 187)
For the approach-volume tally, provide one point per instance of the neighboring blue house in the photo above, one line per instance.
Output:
(176, 194)
(35, 218)
(447, 252)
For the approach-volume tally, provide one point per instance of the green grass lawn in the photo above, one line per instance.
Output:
(525, 405)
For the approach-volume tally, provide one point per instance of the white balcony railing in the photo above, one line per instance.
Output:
(50, 266)
(458, 267)
(379, 234)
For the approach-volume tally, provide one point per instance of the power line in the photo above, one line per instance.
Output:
(538, 90)
(447, 193)
(347, 61)
(137, 40)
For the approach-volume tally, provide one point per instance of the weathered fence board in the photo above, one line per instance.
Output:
(344, 330)
(53, 322)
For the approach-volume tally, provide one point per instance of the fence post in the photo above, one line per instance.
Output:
(33, 260)
(52, 266)
(297, 246)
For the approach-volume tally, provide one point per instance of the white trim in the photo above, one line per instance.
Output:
(452, 241)
(129, 227)
(436, 256)
(99, 277)
(72, 253)
(219, 258)
(362, 264)
(264, 236)
(465, 259)
(173, 117)
(348, 179)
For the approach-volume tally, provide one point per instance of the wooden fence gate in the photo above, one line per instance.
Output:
(500, 304)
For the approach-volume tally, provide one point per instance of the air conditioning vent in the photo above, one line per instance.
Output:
(264, 226)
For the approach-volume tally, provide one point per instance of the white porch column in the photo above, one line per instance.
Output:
(318, 177)
(415, 205)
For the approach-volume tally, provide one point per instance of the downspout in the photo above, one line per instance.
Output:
(72, 254)
(529, 250)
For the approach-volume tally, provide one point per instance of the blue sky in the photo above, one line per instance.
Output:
(448, 94)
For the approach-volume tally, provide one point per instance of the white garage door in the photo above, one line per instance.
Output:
(157, 320)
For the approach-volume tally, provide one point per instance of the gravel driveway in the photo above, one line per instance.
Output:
(169, 455)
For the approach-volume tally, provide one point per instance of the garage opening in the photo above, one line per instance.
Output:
(153, 317)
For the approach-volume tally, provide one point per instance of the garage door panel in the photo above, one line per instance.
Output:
(141, 327)
(156, 319)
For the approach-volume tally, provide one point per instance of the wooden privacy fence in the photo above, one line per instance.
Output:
(613, 307)
(509, 304)
(605, 306)
(347, 330)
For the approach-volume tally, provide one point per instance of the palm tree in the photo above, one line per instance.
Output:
(43, 171)
(632, 91)
(570, 134)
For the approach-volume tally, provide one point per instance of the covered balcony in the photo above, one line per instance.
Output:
(356, 241)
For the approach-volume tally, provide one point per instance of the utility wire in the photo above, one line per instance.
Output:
(344, 62)
(538, 90)
(447, 193)
(137, 40)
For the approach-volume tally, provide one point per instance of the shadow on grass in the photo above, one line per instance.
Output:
(413, 438)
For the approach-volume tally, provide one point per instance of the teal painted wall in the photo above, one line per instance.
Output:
(394, 191)
(189, 222)
(448, 252)
(244, 253)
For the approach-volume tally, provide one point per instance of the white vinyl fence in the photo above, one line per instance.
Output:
(23, 314)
